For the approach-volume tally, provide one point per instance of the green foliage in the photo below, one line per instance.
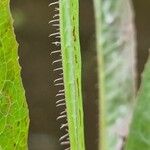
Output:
(70, 46)
(139, 136)
(13, 108)
(116, 55)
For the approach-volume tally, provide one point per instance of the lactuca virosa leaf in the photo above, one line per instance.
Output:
(139, 135)
(13, 108)
(116, 58)
(71, 59)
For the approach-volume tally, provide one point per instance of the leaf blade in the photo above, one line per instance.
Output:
(116, 59)
(139, 135)
(14, 113)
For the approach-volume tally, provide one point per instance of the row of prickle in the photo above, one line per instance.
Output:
(58, 73)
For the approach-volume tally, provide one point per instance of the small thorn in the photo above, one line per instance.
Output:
(57, 51)
(67, 148)
(55, 20)
(53, 34)
(60, 94)
(56, 61)
(56, 15)
(63, 112)
(61, 100)
(64, 126)
(56, 43)
(58, 84)
(53, 3)
(60, 91)
(65, 143)
(64, 137)
(57, 69)
(56, 25)
(57, 37)
(59, 79)
(56, 9)
(62, 104)
(61, 117)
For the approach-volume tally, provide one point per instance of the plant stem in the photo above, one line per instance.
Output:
(71, 59)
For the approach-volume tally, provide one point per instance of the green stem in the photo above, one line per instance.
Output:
(71, 59)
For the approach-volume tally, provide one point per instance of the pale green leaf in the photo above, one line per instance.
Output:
(116, 56)
(139, 135)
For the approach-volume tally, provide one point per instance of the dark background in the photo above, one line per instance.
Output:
(31, 27)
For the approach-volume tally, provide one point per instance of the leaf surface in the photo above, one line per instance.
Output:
(116, 59)
(139, 135)
(13, 108)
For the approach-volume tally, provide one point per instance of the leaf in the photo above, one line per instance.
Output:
(139, 135)
(71, 59)
(13, 108)
(116, 59)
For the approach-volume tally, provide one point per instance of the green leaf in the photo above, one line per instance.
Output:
(13, 108)
(116, 59)
(71, 59)
(139, 135)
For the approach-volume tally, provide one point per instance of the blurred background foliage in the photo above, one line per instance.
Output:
(32, 30)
